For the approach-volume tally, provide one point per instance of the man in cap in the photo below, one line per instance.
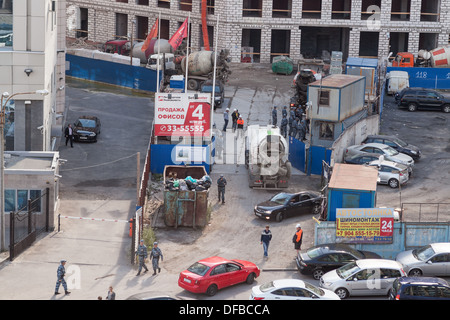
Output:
(284, 124)
(234, 117)
(141, 252)
(274, 116)
(298, 237)
(155, 254)
(226, 117)
(221, 183)
(60, 273)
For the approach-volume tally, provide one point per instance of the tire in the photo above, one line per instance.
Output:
(317, 273)
(250, 278)
(192, 84)
(212, 290)
(342, 293)
(393, 183)
(279, 217)
(412, 107)
(415, 273)
(446, 108)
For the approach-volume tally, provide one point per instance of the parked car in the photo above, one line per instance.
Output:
(290, 289)
(284, 205)
(150, 295)
(423, 98)
(219, 92)
(429, 260)
(388, 152)
(363, 158)
(391, 173)
(212, 274)
(364, 277)
(420, 288)
(318, 260)
(86, 128)
(397, 144)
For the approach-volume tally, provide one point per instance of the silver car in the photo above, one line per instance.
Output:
(391, 173)
(389, 153)
(430, 260)
(363, 278)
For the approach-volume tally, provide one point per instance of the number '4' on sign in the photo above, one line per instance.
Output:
(198, 112)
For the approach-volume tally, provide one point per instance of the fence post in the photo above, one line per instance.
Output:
(11, 236)
(59, 222)
(133, 239)
(47, 209)
(29, 216)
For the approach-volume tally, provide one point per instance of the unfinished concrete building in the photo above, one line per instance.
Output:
(257, 30)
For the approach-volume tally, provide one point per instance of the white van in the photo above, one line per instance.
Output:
(397, 81)
(365, 277)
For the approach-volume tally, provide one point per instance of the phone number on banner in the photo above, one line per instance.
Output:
(182, 128)
(357, 233)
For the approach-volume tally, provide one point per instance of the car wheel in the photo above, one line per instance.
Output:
(317, 273)
(212, 290)
(279, 217)
(250, 278)
(415, 273)
(446, 108)
(412, 107)
(192, 84)
(393, 183)
(342, 293)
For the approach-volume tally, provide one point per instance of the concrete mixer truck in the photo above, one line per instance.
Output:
(436, 58)
(266, 158)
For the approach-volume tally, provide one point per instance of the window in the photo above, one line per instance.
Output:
(219, 270)
(17, 200)
(281, 8)
(6, 23)
(326, 131)
(252, 8)
(324, 98)
(186, 5)
(400, 10)
(164, 4)
(341, 9)
(312, 9)
(370, 9)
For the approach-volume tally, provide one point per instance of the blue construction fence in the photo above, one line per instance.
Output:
(308, 160)
(433, 78)
(133, 77)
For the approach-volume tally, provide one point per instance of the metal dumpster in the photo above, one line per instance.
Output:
(185, 208)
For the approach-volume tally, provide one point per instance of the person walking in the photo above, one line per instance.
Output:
(141, 252)
(284, 124)
(221, 183)
(240, 127)
(69, 135)
(234, 118)
(60, 273)
(284, 112)
(226, 118)
(297, 238)
(274, 116)
(111, 295)
(155, 254)
(266, 237)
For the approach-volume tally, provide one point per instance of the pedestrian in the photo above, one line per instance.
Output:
(291, 121)
(155, 254)
(240, 127)
(274, 116)
(303, 129)
(226, 117)
(284, 124)
(234, 118)
(266, 237)
(297, 238)
(294, 127)
(221, 183)
(60, 273)
(111, 295)
(284, 112)
(141, 252)
(69, 135)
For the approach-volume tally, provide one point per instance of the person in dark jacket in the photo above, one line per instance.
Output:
(234, 117)
(221, 183)
(297, 238)
(266, 237)
(284, 124)
(69, 135)
(274, 116)
(61, 272)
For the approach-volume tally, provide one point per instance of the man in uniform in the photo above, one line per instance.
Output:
(284, 123)
(221, 183)
(297, 238)
(274, 116)
(284, 112)
(61, 272)
(294, 127)
(154, 255)
(141, 252)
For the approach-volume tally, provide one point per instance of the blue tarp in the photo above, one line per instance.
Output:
(433, 78)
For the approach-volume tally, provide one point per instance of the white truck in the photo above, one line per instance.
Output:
(266, 158)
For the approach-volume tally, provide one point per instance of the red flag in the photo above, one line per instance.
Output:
(152, 34)
(178, 37)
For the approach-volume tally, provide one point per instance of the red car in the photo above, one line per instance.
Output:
(214, 273)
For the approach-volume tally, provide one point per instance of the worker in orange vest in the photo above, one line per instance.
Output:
(298, 237)
(240, 126)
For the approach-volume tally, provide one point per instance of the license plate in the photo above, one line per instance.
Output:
(83, 138)
(187, 280)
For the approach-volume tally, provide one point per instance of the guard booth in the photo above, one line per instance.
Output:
(351, 186)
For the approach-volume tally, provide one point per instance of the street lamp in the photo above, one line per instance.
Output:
(7, 96)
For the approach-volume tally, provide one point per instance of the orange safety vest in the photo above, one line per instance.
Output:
(240, 121)
(299, 235)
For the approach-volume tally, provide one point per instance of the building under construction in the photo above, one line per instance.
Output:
(257, 30)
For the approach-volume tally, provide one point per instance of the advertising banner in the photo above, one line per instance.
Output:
(182, 114)
(365, 225)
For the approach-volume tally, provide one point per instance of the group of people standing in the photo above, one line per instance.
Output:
(295, 119)
(237, 121)
(266, 237)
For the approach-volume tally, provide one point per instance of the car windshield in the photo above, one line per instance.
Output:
(86, 123)
(207, 88)
(314, 289)
(423, 253)
(347, 270)
(390, 151)
(266, 286)
(281, 198)
(198, 268)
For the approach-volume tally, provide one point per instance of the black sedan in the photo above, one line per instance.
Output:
(396, 143)
(318, 260)
(284, 205)
(86, 128)
(364, 158)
